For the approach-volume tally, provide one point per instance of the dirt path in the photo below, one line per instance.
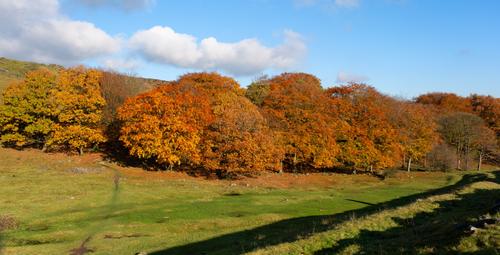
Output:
(107, 211)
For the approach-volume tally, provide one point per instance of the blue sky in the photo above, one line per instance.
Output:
(401, 47)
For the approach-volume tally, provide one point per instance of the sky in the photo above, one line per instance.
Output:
(401, 47)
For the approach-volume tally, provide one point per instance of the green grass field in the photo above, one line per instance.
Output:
(57, 204)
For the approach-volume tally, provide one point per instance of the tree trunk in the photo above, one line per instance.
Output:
(459, 156)
(480, 161)
(294, 162)
(409, 164)
(404, 161)
(466, 157)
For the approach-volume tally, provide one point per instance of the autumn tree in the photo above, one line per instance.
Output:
(258, 90)
(164, 125)
(116, 88)
(202, 120)
(484, 144)
(54, 111)
(417, 130)
(238, 139)
(79, 110)
(296, 109)
(465, 132)
(28, 112)
(445, 102)
(367, 138)
(488, 108)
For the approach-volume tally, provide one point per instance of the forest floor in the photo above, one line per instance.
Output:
(60, 204)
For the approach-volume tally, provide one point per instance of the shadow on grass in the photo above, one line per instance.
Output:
(433, 232)
(298, 228)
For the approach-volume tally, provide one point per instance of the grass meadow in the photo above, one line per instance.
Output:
(59, 204)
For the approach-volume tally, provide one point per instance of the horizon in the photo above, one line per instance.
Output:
(403, 48)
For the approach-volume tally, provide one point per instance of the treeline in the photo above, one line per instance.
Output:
(207, 122)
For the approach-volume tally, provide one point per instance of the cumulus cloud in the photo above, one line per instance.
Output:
(120, 64)
(122, 4)
(246, 57)
(36, 30)
(345, 77)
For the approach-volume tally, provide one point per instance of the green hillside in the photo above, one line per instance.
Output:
(11, 70)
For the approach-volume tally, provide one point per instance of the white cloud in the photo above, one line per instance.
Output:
(246, 57)
(122, 4)
(119, 64)
(345, 77)
(36, 30)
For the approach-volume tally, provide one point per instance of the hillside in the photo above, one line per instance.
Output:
(11, 70)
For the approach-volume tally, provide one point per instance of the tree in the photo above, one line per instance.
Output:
(164, 125)
(465, 132)
(417, 130)
(445, 102)
(238, 139)
(488, 108)
(258, 90)
(366, 136)
(79, 110)
(484, 143)
(116, 88)
(28, 112)
(201, 120)
(54, 111)
(297, 111)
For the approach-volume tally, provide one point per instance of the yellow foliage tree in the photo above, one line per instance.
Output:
(53, 111)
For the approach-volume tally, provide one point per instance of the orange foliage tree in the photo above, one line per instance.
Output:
(417, 130)
(367, 138)
(488, 108)
(297, 112)
(237, 140)
(445, 102)
(203, 120)
(164, 125)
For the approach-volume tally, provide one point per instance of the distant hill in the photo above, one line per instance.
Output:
(11, 70)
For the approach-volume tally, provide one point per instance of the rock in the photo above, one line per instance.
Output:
(472, 229)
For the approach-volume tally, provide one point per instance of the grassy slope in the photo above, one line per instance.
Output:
(58, 207)
(433, 223)
(11, 70)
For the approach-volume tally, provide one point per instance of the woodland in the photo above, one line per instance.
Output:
(208, 123)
